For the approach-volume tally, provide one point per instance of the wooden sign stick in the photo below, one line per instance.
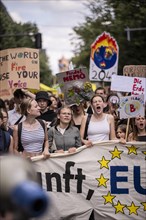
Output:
(127, 128)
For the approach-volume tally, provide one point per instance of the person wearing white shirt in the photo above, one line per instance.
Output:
(14, 115)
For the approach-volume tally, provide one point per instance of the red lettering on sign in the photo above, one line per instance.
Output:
(132, 109)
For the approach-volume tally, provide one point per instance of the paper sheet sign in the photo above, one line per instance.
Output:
(135, 85)
(131, 106)
(19, 69)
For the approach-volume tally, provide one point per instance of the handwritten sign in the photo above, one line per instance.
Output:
(135, 85)
(131, 106)
(135, 70)
(75, 85)
(19, 69)
(138, 87)
(104, 58)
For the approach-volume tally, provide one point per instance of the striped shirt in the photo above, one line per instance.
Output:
(32, 140)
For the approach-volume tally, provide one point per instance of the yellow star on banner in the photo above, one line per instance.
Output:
(144, 205)
(102, 181)
(116, 153)
(119, 207)
(104, 163)
(108, 198)
(144, 152)
(133, 209)
(132, 149)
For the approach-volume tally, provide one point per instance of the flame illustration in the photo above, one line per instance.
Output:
(104, 40)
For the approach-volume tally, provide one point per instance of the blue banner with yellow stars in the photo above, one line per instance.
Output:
(107, 180)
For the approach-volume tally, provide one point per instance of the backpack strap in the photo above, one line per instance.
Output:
(53, 147)
(7, 141)
(19, 119)
(2, 141)
(42, 123)
(86, 125)
(20, 147)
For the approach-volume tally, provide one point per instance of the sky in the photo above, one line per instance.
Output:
(54, 19)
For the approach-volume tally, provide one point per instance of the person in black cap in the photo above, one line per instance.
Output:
(44, 102)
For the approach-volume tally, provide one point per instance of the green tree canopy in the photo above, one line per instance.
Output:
(113, 17)
(14, 35)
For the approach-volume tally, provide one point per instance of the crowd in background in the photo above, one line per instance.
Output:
(34, 124)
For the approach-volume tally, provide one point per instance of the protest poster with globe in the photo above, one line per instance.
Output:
(104, 58)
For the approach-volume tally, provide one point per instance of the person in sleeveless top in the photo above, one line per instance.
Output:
(33, 137)
(78, 114)
(101, 125)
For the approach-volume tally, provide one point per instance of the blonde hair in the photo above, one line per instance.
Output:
(26, 105)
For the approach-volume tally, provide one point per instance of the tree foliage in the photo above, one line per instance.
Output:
(113, 17)
(14, 35)
(45, 76)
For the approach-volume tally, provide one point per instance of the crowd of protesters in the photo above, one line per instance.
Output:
(34, 124)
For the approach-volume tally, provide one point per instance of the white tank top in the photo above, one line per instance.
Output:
(32, 141)
(99, 130)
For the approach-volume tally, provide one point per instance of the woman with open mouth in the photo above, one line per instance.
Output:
(139, 129)
(99, 126)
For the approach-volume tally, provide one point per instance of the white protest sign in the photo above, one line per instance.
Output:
(131, 106)
(104, 58)
(108, 179)
(135, 85)
(19, 69)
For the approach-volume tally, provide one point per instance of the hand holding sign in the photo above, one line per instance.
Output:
(75, 85)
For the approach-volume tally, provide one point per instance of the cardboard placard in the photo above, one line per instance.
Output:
(104, 58)
(131, 106)
(134, 70)
(75, 85)
(19, 68)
